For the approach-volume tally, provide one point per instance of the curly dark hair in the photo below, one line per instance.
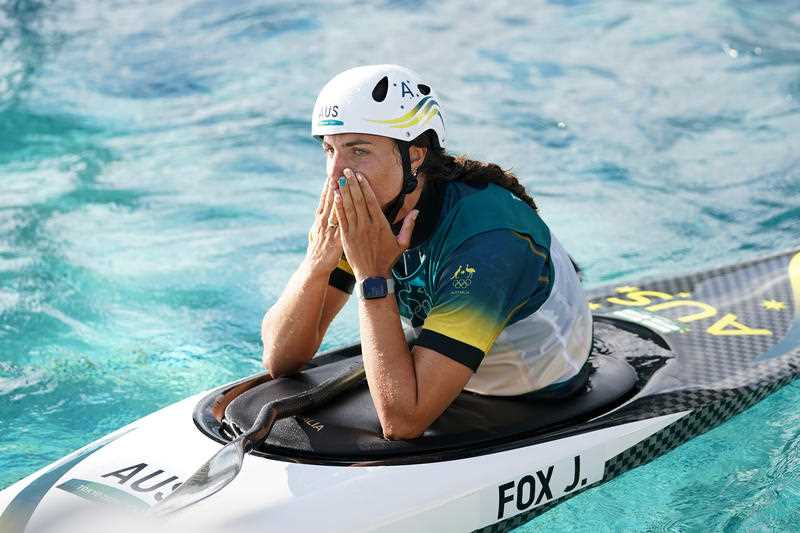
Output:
(441, 166)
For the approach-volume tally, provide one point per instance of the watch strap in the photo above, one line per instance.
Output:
(389, 287)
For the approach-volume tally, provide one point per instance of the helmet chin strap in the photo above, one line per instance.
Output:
(409, 184)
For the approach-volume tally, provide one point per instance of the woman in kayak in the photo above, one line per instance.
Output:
(445, 250)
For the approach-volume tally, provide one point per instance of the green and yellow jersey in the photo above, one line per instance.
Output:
(486, 284)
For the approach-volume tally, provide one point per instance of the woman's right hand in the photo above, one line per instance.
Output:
(324, 245)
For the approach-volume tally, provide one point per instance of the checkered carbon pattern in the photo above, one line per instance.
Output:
(714, 377)
(723, 361)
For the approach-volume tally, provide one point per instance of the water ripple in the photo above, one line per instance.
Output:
(159, 178)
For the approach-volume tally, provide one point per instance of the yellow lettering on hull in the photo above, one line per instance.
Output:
(707, 311)
(728, 325)
(639, 298)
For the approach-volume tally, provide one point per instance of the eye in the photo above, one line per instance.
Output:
(360, 151)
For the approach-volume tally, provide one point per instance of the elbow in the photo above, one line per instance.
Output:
(401, 435)
(270, 359)
(278, 365)
(401, 428)
(267, 363)
(282, 358)
(265, 353)
(267, 359)
(275, 366)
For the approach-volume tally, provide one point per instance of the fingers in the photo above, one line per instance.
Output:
(339, 210)
(333, 220)
(348, 190)
(404, 237)
(324, 196)
(327, 207)
(359, 201)
(356, 202)
(373, 207)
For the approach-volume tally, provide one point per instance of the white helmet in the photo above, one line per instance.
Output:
(387, 100)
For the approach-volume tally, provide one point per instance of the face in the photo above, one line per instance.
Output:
(376, 157)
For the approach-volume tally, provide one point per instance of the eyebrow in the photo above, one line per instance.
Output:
(352, 143)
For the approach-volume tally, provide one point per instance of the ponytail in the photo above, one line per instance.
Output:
(440, 166)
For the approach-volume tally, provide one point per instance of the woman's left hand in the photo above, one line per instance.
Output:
(369, 244)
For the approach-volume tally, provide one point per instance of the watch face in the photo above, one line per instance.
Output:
(374, 288)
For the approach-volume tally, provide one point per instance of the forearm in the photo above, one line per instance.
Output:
(290, 329)
(389, 366)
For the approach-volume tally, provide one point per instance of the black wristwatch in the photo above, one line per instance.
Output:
(374, 287)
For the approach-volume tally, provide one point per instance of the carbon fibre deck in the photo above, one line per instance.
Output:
(735, 339)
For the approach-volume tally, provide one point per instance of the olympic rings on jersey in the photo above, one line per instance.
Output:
(462, 283)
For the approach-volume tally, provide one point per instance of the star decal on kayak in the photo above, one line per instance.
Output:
(773, 305)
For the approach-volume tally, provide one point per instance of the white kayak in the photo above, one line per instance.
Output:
(672, 358)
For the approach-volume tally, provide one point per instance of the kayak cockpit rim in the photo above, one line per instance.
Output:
(223, 432)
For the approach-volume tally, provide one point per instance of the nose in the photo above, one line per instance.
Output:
(337, 162)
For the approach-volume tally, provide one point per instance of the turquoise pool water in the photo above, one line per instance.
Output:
(157, 180)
